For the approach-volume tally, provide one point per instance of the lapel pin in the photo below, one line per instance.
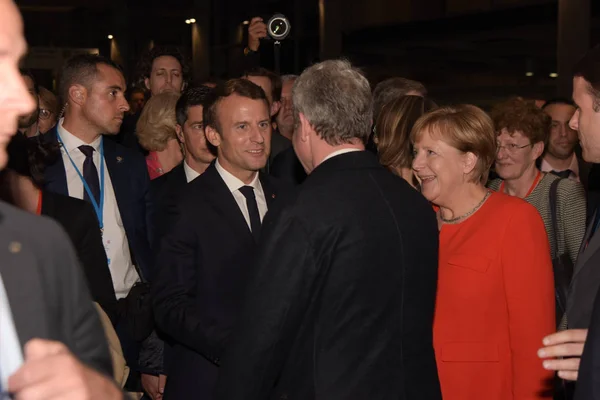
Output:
(14, 247)
(119, 159)
(273, 196)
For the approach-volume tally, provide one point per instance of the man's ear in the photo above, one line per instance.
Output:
(78, 94)
(275, 107)
(147, 83)
(305, 128)
(212, 136)
(179, 131)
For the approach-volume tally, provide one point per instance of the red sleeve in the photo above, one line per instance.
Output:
(529, 285)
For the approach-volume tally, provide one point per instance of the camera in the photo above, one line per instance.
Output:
(278, 27)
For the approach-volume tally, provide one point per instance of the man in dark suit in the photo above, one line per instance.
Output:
(165, 189)
(113, 178)
(583, 313)
(205, 257)
(51, 342)
(340, 305)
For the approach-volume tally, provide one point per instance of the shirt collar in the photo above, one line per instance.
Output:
(72, 142)
(232, 182)
(340, 152)
(573, 167)
(190, 173)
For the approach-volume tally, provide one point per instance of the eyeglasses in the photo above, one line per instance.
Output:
(45, 113)
(511, 148)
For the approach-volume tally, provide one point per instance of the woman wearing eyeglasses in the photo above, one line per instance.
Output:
(522, 131)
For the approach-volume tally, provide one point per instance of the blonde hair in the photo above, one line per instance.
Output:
(157, 122)
(465, 127)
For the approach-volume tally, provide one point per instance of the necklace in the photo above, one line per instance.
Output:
(460, 218)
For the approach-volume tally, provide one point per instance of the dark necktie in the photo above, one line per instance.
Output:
(562, 174)
(248, 192)
(90, 174)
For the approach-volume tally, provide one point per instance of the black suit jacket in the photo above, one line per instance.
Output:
(588, 381)
(340, 305)
(202, 268)
(78, 219)
(287, 167)
(130, 180)
(164, 192)
(48, 296)
(585, 281)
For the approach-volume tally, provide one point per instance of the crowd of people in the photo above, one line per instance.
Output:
(292, 237)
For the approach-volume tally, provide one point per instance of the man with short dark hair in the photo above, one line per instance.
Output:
(560, 157)
(165, 190)
(204, 259)
(28, 122)
(341, 300)
(112, 178)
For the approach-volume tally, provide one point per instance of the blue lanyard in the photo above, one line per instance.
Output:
(98, 208)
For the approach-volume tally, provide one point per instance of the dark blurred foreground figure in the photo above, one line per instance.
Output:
(340, 304)
(51, 344)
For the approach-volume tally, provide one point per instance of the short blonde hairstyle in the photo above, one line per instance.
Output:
(465, 127)
(157, 122)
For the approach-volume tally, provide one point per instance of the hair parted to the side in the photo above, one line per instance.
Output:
(81, 70)
(238, 86)
(588, 68)
(275, 80)
(466, 128)
(336, 99)
(519, 115)
(195, 96)
(394, 125)
(156, 125)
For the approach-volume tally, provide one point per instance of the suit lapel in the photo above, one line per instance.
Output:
(117, 169)
(267, 189)
(222, 200)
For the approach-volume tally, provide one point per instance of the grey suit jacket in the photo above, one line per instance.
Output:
(585, 281)
(46, 289)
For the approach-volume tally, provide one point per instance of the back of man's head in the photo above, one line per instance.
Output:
(335, 98)
(240, 87)
(393, 88)
(80, 70)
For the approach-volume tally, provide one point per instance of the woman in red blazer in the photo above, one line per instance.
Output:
(495, 299)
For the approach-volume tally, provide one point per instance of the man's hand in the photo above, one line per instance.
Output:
(256, 31)
(51, 371)
(154, 386)
(568, 344)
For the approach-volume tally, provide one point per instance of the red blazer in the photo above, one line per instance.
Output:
(495, 303)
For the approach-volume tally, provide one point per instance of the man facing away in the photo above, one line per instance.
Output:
(340, 304)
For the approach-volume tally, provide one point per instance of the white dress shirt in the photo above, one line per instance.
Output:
(574, 167)
(116, 245)
(234, 184)
(11, 357)
(190, 174)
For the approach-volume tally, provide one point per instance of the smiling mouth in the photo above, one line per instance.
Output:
(426, 179)
(259, 151)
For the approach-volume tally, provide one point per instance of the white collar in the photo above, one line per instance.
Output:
(72, 142)
(340, 152)
(190, 173)
(232, 182)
